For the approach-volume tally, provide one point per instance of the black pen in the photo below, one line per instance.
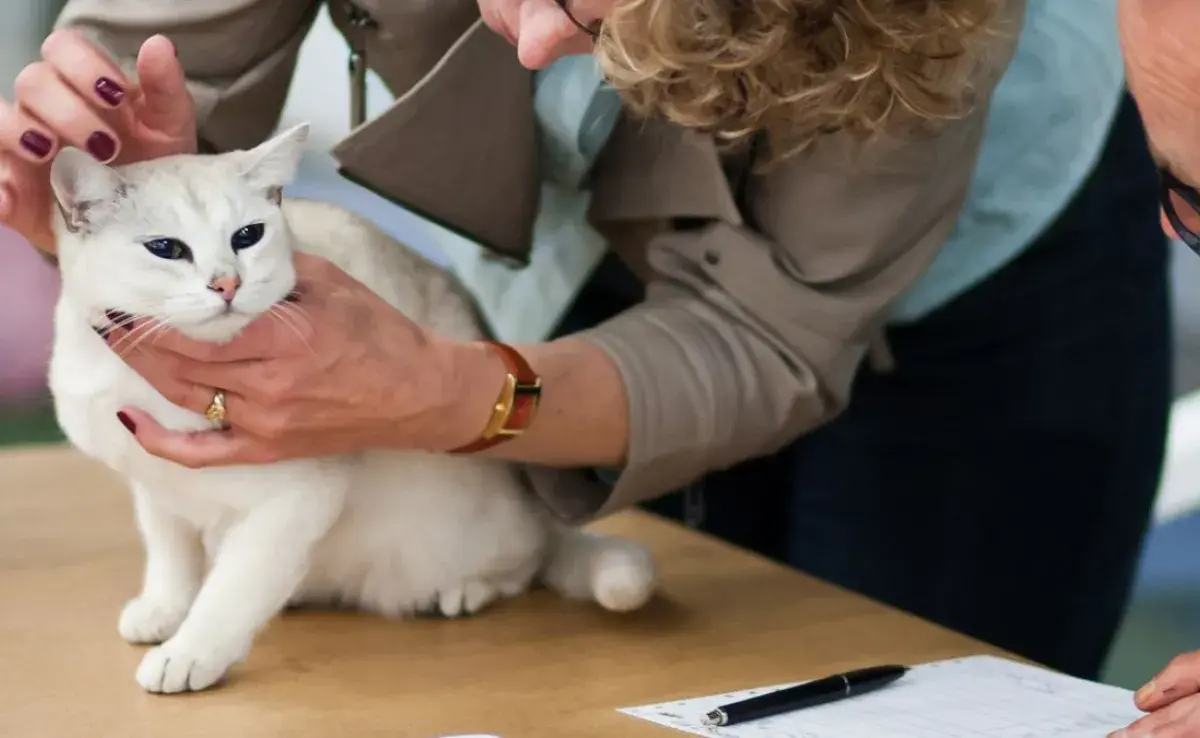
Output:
(809, 694)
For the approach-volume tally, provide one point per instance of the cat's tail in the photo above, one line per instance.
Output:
(617, 573)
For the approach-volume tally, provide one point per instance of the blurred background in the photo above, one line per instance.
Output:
(1165, 616)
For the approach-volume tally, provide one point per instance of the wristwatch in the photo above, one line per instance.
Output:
(515, 408)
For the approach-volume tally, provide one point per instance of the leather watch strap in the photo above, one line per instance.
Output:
(516, 405)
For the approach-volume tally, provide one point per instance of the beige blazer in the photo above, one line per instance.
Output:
(753, 325)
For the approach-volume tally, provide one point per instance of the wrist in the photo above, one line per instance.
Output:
(473, 378)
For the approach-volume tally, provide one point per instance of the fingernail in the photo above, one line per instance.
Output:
(127, 422)
(36, 144)
(1145, 693)
(102, 146)
(109, 91)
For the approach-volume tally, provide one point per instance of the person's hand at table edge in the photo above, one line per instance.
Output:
(1172, 701)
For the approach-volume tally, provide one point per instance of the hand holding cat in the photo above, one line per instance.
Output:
(340, 371)
(76, 96)
(1173, 700)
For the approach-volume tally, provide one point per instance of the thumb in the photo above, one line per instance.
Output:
(193, 450)
(167, 103)
(1180, 679)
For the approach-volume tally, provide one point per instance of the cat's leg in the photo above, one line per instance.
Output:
(173, 571)
(260, 563)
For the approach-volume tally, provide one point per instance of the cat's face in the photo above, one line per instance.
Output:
(196, 243)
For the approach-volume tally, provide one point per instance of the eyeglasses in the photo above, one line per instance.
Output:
(592, 30)
(1181, 203)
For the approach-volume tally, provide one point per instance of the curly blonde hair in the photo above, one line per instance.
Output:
(794, 69)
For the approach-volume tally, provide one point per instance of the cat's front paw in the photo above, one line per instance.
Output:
(470, 598)
(185, 667)
(150, 620)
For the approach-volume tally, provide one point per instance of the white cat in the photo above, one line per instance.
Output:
(227, 548)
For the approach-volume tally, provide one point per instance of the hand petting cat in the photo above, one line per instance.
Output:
(347, 372)
(77, 96)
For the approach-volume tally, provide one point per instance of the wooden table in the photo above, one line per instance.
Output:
(535, 667)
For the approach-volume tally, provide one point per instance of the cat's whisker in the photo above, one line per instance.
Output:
(278, 314)
(298, 312)
(153, 335)
(298, 320)
(128, 343)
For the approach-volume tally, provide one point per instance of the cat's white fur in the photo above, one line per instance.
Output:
(228, 548)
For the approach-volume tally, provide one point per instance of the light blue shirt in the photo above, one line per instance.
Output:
(1047, 123)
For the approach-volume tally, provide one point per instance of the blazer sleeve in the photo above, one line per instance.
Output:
(750, 337)
(239, 55)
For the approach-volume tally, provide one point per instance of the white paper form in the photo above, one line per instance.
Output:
(975, 697)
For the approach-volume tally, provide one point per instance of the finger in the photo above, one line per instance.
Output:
(1181, 678)
(42, 93)
(172, 382)
(1156, 721)
(193, 384)
(24, 135)
(197, 381)
(546, 33)
(167, 103)
(195, 450)
(494, 19)
(86, 68)
(8, 194)
(1173, 729)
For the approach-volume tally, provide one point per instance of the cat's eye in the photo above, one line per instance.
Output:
(247, 236)
(168, 248)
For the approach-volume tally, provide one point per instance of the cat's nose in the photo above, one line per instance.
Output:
(226, 287)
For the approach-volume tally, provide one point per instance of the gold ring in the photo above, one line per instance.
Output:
(216, 409)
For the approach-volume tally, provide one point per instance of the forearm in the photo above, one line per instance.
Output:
(583, 418)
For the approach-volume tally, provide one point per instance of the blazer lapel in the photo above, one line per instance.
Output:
(459, 147)
(652, 170)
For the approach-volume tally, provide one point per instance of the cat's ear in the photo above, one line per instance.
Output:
(80, 183)
(273, 164)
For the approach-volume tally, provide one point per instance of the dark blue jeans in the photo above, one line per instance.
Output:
(1000, 479)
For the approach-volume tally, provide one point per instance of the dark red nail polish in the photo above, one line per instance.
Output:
(102, 146)
(109, 91)
(36, 144)
(127, 422)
